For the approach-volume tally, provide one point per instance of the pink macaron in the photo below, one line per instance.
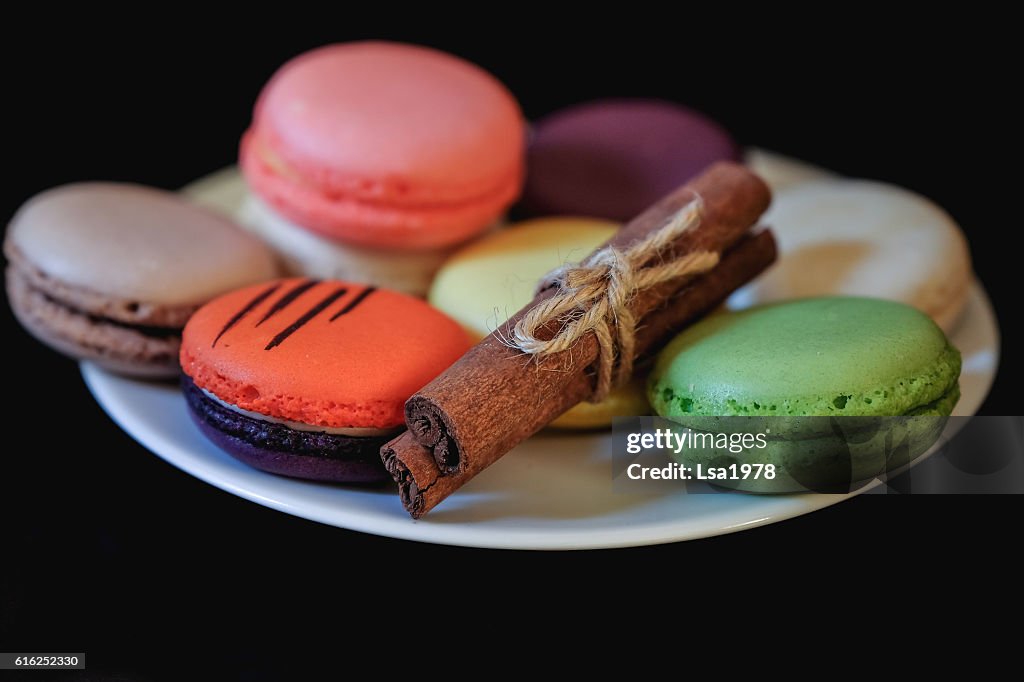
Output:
(385, 146)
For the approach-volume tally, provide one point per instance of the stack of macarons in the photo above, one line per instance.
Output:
(373, 160)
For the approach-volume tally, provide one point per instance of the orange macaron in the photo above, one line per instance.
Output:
(308, 378)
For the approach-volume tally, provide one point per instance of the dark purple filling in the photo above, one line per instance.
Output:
(282, 450)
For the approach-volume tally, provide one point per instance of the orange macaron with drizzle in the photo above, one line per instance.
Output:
(308, 378)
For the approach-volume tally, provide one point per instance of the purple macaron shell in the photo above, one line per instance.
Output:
(614, 158)
(289, 464)
(275, 448)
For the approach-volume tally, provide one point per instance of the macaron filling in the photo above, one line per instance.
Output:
(152, 331)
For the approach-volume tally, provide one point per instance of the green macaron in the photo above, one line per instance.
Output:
(844, 388)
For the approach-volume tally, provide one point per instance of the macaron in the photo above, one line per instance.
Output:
(308, 378)
(865, 238)
(308, 253)
(111, 272)
(385, 145)
(780, 368)
(779, 171)
(614, 158)
(483, 284)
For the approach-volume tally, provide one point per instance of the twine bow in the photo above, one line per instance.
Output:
(594, 297)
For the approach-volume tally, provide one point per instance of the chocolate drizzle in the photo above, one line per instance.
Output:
(286, 299)
(353, 303)
(306, 317)
(237, 317)
(289, 296)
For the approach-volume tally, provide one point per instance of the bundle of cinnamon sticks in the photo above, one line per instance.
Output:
(495, 396)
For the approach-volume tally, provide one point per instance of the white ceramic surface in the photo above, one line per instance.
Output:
(552, 492)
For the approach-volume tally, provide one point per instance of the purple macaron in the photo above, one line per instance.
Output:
(614, 158)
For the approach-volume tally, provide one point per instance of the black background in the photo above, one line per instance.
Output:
(109, 550)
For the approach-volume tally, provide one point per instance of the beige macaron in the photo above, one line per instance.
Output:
(111, 272)
(781, 171)
(866, 238)
(308, 253)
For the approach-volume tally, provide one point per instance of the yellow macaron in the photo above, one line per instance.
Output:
(481, 285)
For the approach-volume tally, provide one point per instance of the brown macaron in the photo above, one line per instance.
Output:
(111, 272)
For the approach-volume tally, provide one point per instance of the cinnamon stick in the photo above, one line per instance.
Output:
(494, 397)
(423, 484)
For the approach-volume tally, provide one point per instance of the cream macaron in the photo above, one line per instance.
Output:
(865, 238)
(781, 171)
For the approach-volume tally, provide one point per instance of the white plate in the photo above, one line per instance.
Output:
(553, 492)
